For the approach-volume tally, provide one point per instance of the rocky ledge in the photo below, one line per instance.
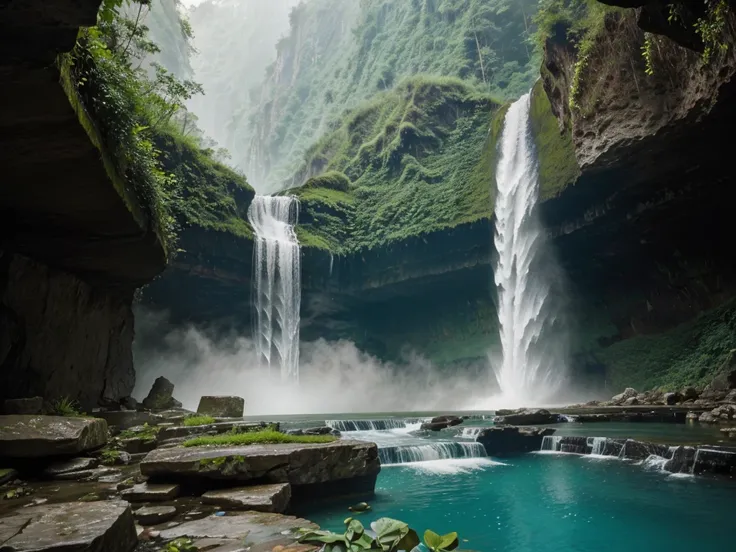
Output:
(29, 436)
(510, 440)
(342, 467)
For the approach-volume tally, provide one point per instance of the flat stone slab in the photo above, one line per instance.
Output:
(174, 432)
(153, 515)
(125, 419)
(259, 498)
(248, 527)
(295, 463)
(151, 492)
(28, 436)
(222, 407)
(105, 526)
(72, 465)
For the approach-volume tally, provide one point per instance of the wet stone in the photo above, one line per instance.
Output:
(259, 498)
(73, 465)
(153, 515)
(104, 526)
(151, 492)
(27, 436)
(86, 475)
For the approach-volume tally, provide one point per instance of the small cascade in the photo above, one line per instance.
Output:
(470, 432)
(366, 425)
(654, 462)
(440, 450)
(276, 282)
(551, 443)
(597, 445)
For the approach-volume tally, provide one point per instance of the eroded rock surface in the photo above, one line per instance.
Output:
(221, 407)
(39, 436)
(105, 526)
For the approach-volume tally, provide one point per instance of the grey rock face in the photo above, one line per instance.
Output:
(221, 407)
(32, 405)
(161, 396)
(39, 436)
(105, 526)
(260, 498)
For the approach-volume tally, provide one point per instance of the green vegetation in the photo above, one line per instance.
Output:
(145, 432)
(558, 166)
(199, 420)
(64, 406)
(485, 43)
(410, 162)
(712, 28)
(390, 536)
(264, 437)
(110, 457)
(690, 354)
(181, 545)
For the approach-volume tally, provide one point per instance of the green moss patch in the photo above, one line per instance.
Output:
(266, 437)
(199, 420)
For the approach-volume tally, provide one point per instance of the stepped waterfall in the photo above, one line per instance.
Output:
(532, 367)
(276, 283)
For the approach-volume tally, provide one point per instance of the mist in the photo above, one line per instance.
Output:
(336, 377)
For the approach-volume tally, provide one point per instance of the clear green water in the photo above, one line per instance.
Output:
(553, 503)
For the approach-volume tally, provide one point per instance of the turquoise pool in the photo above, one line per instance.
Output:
(552, 503)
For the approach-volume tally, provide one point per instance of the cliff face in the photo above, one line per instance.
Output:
(75, 241)
(644, 232)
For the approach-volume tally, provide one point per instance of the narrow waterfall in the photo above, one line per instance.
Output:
(276, 282)
(470, 432)
(439, 450)
(551, 443)
(532, 367)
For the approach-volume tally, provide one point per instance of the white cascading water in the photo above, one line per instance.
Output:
(276, 282)
(531, 371)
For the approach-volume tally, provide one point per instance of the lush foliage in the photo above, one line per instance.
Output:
(414, 162)
(199, 420)
(482, 42)
(264, 437)
(690, 354)
(128, 106)
(388, 535)
(146, 432)
(712, 27)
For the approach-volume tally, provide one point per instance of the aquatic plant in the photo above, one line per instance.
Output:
(388, 535)
(264, 437)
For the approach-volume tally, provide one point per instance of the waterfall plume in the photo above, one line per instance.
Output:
(276, 282)
(533, 363)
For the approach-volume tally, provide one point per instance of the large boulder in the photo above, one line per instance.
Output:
(621, 397)
(326, 469)
(26, 436)
(672, 398)
(221, 407)
(640, 450)
(32, 405)
(259, 498)
(441, 422)
(528, 417)
(681, 460)
(689, 394)
(105, 526)
(161, 396)
(510, 440)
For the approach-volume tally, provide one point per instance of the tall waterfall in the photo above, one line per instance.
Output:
(532, 368)
(276, 282)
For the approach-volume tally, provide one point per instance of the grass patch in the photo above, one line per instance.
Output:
(147, 433)
(265, 437)
(65, 406)
(199, 420)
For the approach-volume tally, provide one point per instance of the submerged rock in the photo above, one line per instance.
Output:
(28, 436)
(508, 440)
(105, 526)
(31, 405)
(161, 396)
(221, 406)
(330, 469)
(260, 498)
(153, 515)
(528, 417)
